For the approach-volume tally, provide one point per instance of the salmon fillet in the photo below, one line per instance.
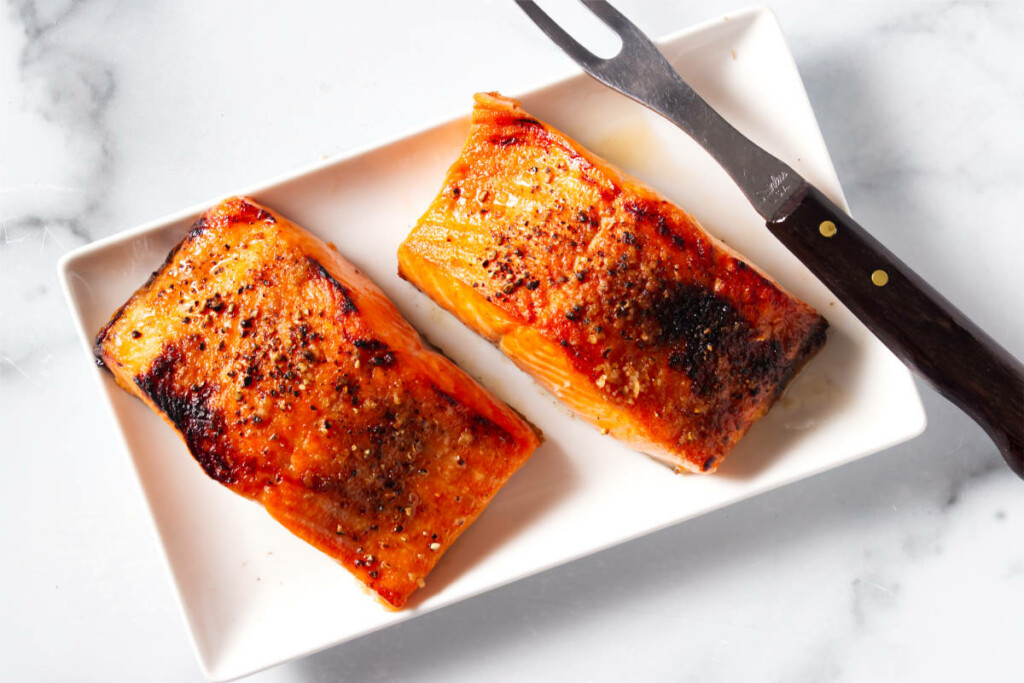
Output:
(609, 295)
(295, 382)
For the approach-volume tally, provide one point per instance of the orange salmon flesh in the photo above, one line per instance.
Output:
(613, 298)
(295, 382)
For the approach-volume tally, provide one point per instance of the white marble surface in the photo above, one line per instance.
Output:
(907, 565)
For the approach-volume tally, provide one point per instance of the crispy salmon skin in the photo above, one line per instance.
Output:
(612, 297)
(295, 382)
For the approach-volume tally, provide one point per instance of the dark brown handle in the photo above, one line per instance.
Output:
(917, 323)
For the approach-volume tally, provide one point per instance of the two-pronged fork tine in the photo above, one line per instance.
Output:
(631, 36)
(580, 54)
(637, 49)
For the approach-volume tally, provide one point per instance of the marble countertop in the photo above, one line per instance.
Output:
(907, 565)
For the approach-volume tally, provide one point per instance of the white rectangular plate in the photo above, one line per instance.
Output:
(254, 595)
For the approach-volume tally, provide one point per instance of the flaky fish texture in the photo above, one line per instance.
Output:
(609, 295)
(295, 382)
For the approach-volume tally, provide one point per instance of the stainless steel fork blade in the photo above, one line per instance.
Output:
(642, 73)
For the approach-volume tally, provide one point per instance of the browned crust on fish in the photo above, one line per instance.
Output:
(639, 319)
(294, 381)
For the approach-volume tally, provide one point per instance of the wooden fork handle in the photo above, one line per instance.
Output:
(918, 324)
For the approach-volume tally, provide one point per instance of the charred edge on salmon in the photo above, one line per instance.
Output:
(382, 356)
(814, 341)
(348, 305)
(101, 337)
(190, 412)
(197, 229)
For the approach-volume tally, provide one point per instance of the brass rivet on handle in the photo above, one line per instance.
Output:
(827, 228)
(880, 278)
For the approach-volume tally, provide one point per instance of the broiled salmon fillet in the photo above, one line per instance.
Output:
(612, 297)
(295, 382)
